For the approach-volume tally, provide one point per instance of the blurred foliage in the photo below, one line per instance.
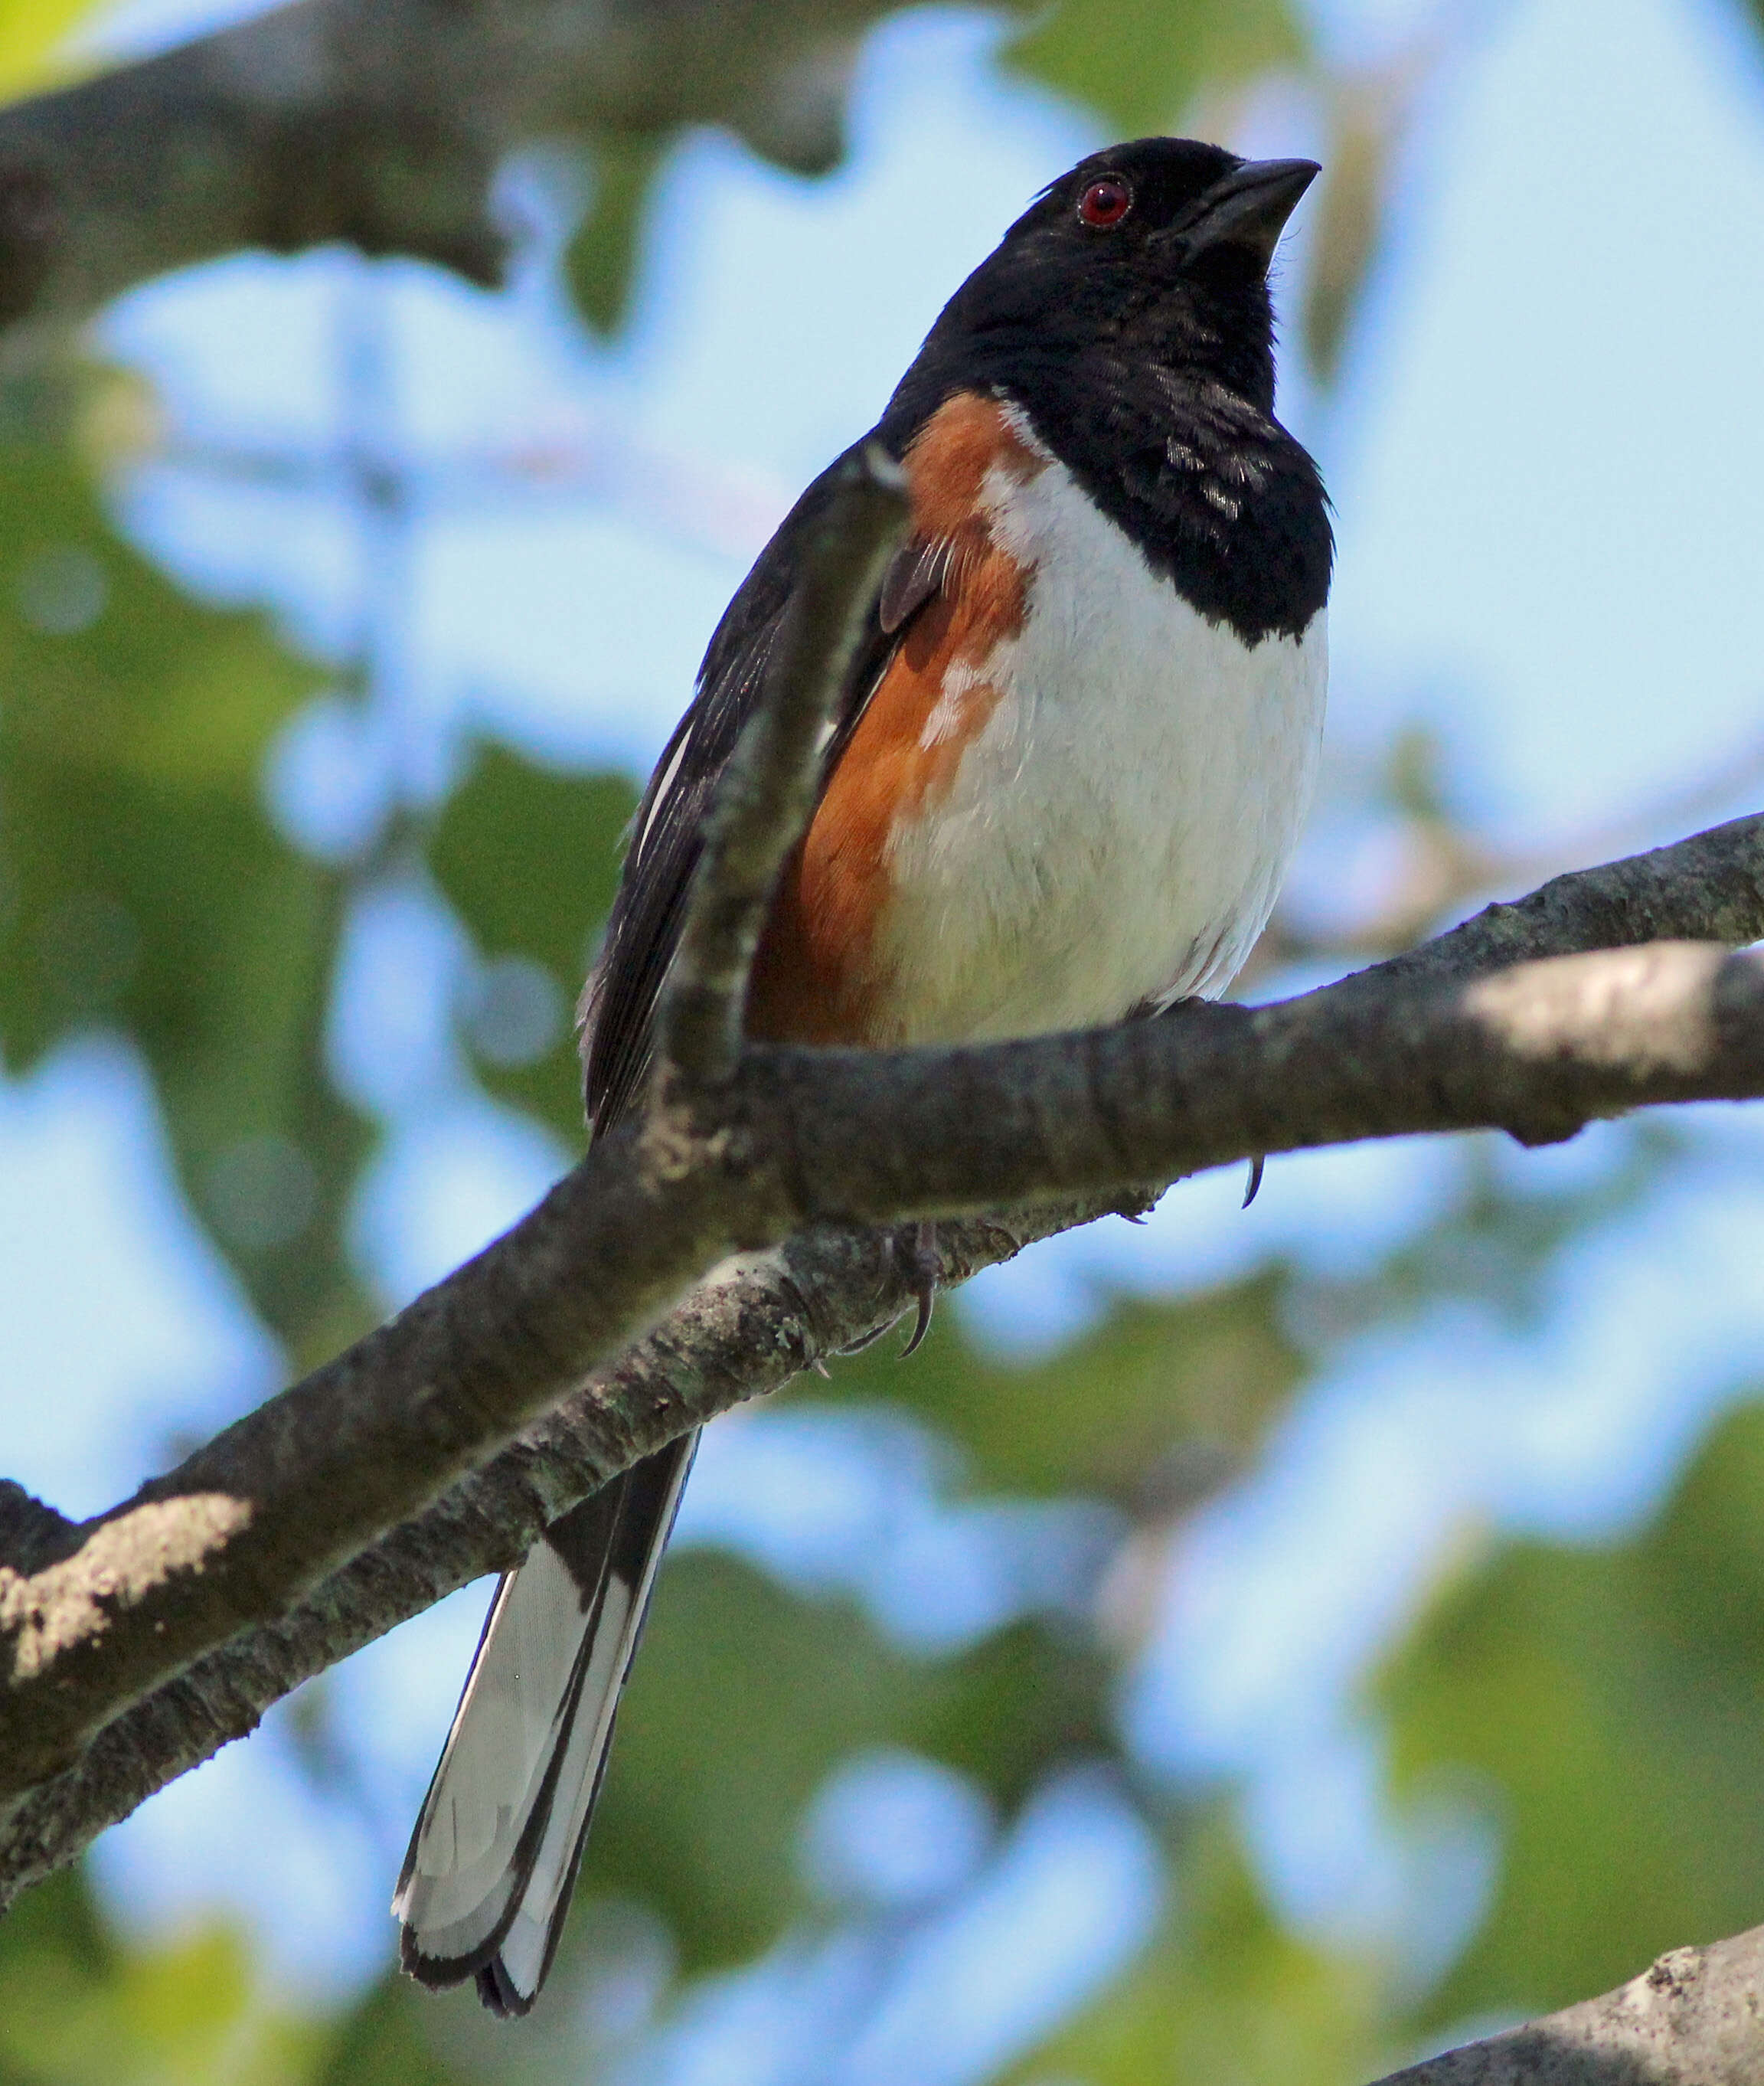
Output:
(1202, 1379)
(1142, 65)
(143, 887)
(600, 263)
(529, 859)
(1225, 1995)
(1495, 1249)
(1347, 216)
(1614, 1699)
(1611, 1700)
(79, 2008)
(747, 1699)
(381, 2042)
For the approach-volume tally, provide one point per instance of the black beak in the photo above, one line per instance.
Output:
(1247, 209)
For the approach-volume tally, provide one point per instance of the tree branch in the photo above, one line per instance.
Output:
(383, 122)
(741, 1337)
(269, 1554)
(1692, 2019)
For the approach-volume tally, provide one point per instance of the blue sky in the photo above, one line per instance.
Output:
(1547, 457)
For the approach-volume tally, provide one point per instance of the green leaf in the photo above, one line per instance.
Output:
(1615, 1699)
(58, 1917)
(743, 1702)
(142, 888)
(528, 856)
(600, 263)
(1019, 1705)
(1141, 64)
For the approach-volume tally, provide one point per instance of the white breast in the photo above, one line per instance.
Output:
(1117, 831)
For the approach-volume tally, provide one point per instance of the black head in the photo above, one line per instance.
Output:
(1157, 249)
(1126, 313)
(1169, 210)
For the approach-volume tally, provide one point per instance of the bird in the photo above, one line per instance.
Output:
(1067, 772)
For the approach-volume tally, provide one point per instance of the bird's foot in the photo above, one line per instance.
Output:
(922, 1264)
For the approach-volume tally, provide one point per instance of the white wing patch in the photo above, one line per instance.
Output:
(670, 775)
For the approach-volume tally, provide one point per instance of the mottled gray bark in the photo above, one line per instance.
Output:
(1695, 2019)
(167, 1626)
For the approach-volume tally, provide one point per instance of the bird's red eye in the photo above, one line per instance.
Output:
(1104, 204)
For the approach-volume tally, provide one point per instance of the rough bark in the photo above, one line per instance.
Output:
(168, 1625)
(383, 122)
(1695, 2018)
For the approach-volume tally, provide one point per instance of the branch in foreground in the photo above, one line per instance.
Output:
(1692, 2019)
(738, 1338)
(766, 796)
(304, 1575)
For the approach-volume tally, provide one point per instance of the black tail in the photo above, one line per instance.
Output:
(488, 1879)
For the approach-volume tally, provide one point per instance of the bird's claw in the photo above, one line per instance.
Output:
(864, 1340)
(924, 1265)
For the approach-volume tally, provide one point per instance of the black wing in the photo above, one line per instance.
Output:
(620, 1004)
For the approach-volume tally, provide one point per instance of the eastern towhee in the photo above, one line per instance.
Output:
(1068, 772)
